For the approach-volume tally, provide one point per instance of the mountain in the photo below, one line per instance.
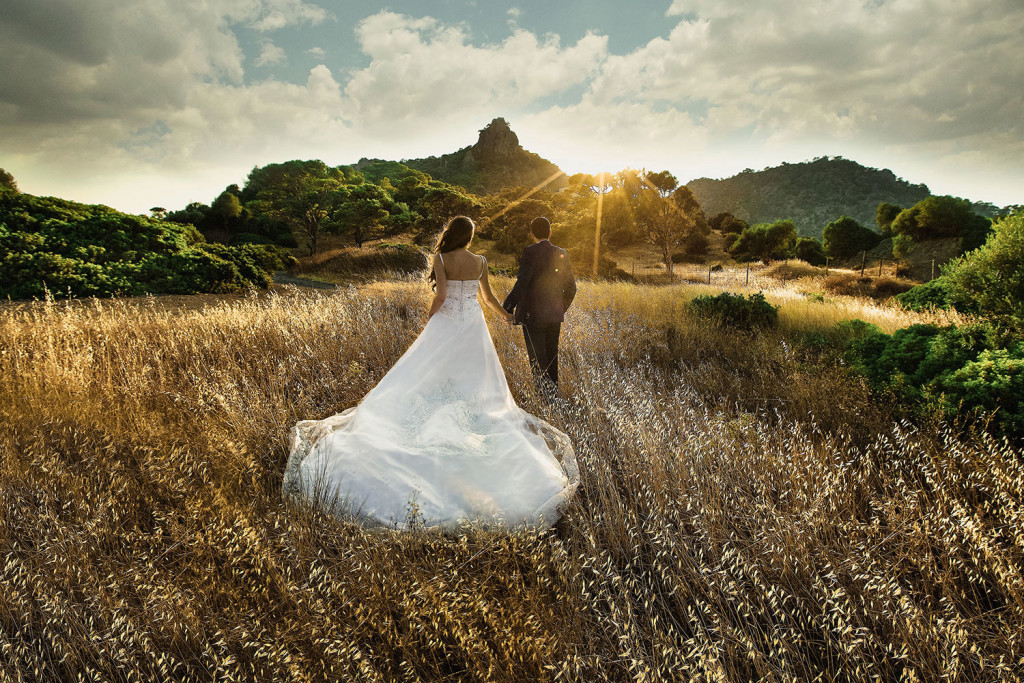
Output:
(812, 193)
(497, 160)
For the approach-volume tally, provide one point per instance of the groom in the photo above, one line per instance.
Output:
(542, 293)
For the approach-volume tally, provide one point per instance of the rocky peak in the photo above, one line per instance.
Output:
(496, 140)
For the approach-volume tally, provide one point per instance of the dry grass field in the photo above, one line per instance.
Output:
(747, 510)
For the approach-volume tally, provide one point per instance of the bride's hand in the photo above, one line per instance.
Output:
(510, 319)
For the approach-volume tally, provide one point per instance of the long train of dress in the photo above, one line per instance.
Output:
(439, 441)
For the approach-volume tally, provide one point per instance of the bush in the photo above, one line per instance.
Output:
(765, 242)
(71, 249)
(993, 383)
(992, 277)
(887, 286)
(943, 216)
(847, 284)
(959, 370)
(845, 237)
(938, 294)
(734, 309)
(810, 250)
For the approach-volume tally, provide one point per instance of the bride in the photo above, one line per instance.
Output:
(439, 441)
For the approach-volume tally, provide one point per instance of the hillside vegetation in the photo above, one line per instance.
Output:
(810, 193)
(64, 248)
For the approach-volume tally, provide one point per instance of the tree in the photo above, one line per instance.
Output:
(665, 213)
(845, 237)
(993, 275)
(810, 250)
(439, 204)
(884, 216)
(944, 216)
(7, 181)
(664, 182)
(902, 245)
(511, 228)
(310, 210)
(727, 224)
(277, 182)
(158, 213)
(225, 211)
(361, 209)
(765, 241)
(194, 213)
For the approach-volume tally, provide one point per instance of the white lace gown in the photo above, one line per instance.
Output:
(439, 441)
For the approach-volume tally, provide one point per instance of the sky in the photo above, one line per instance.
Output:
(143, 103)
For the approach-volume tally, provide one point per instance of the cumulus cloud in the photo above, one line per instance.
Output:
(935, 79)
(151, 87)
(270, 54)
(904, 69)
(423, 71)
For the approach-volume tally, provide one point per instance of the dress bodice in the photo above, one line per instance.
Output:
(461, 300)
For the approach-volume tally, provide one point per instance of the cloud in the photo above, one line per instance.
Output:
(271, 15)
(423, 72)
(89, 97)
(270, 54)
(921, 70)
(898, 81)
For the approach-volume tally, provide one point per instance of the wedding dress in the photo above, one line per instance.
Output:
(439, 441)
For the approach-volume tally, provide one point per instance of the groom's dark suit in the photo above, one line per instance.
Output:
(543, 291)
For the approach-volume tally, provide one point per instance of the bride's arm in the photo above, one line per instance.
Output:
(441, 287)
(485, 289)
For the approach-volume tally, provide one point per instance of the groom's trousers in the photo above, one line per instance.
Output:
(542, 348)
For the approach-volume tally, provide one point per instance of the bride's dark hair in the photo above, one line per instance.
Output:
(457, 234)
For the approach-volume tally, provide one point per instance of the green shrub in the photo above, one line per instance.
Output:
(764, 242)
(810, 250)
(933, 294)
(992, 277)
(959, 370)
(735, 309)
(993, 383)
(64, 248)
(845, 237)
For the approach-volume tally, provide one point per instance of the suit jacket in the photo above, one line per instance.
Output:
(545, 287)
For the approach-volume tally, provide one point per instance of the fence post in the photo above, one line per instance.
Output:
(880, 262)
(863, 260)
(933, 269)
(709, 275)
(827, 259)
(748, 273)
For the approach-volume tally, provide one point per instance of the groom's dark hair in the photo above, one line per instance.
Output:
(541, 228)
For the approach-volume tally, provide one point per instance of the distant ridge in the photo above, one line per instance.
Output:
(812, 193)
(496, 161)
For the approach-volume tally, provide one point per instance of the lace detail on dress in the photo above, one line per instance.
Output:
(461, 300)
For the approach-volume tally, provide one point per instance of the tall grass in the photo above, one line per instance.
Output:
(745, 512)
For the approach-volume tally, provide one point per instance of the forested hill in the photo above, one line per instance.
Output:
(812, 193)
(496, 161)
